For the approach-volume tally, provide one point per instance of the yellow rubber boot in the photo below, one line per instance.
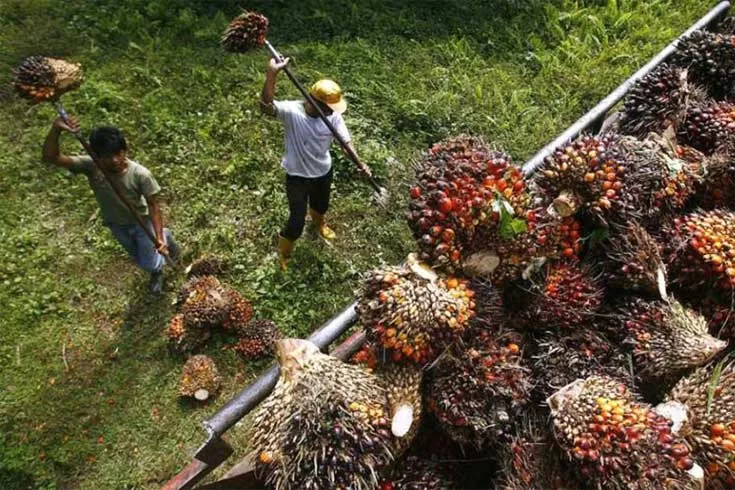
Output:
(285, 249)
(318, 219)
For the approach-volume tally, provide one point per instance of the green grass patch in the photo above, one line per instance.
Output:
(89, 398)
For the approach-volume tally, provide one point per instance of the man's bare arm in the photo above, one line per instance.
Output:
(269, 87)
(51, 151)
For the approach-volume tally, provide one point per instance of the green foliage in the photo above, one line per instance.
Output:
(89, 398)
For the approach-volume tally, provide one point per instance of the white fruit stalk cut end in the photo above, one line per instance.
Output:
(566, 204)
(697, 474)
(201, 394)
(421, 269)
(674, 411)
(558, 400)
(481, 264)
(402, 420)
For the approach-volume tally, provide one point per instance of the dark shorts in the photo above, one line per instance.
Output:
(303, 192)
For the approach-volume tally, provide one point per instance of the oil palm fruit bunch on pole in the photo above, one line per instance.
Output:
(413, 473)
(560, 358)
(200, 378)
(616, 442)
(631, 261)
(325, 425)
(246, 32)
(41, 79)
(567, 296)
(665, 338)
(710, 59)
(656, 101)
(463, 186)
(412, 313)
(585, 175)
(699, 250)
(478, 388)
(708, 398)
(183, 338)
(257, 339)
(532, 460)
(709, 126)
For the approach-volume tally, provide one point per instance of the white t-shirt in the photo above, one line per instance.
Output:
(307, 139)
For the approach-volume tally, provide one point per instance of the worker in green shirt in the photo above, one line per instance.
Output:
(137, 185)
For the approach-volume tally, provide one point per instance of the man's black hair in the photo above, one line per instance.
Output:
(107, 141)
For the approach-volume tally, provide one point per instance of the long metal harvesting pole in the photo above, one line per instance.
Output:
(598, 112)
(118, 192)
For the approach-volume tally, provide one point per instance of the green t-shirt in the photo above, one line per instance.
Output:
(136, 183)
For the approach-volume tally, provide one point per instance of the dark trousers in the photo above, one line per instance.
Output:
(302, 192)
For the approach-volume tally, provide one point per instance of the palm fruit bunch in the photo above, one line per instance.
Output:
(709, 126)
(412, 313)
(656, 101)
(717, 189)
(708, 396)
(257, 339)
(208, 265)
(239, 311)
(710, 60)
(659, 181)
(699, 250)
(478, 387)
(563, 357)
(532, 460)
(666, 339)
(504, 257)
(200, 378)
(413, 473)
(463, 186)
(40, 79)
(325, 425)
(615, 441)
(568, 296)
(632, 261)
(585, 175)
(203, 301)
(183, 338)
(245, 32)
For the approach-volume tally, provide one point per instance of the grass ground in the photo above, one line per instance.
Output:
(88, 394)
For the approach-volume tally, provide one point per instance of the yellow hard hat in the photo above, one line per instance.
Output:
(328, 92)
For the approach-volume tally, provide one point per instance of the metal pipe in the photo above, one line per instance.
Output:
(597, 113)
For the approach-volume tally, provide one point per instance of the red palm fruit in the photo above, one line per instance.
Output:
(478, 387)
(614, 441)
(566, 297)
(699, 250)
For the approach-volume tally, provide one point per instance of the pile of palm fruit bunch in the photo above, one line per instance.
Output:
(204, 305)
(568, 329)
